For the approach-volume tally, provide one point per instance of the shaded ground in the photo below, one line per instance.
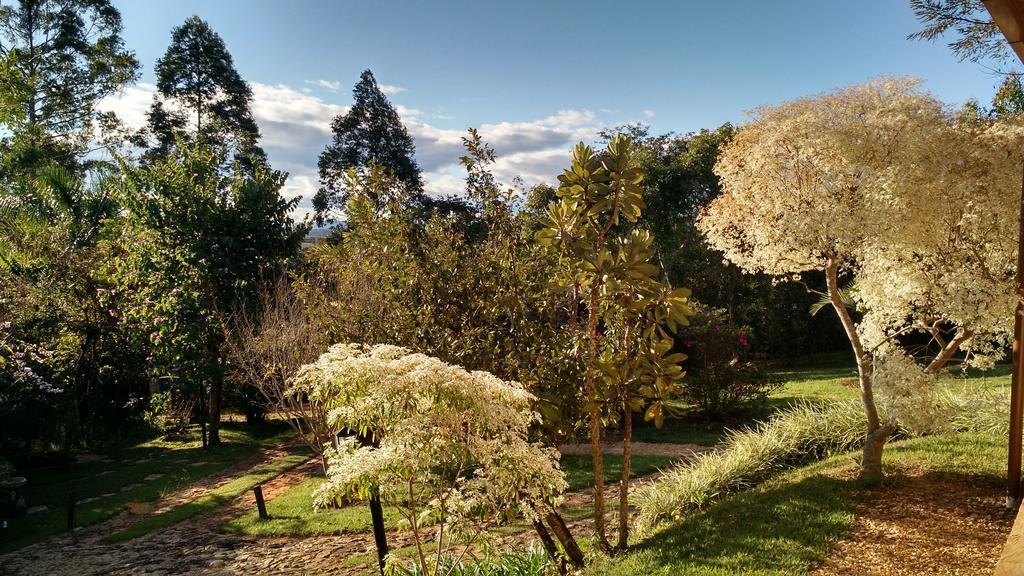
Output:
(104, 484)
(925, 523)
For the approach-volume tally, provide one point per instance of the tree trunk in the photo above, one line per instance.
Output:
(627, 453)
(565, 537)
(550, 546)
(594, 412)
(216, 389)
(380, 535)
(874, 442)
(871, 457)
(202, 416)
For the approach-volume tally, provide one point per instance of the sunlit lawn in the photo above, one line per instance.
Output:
(790, 523)
(291, 513)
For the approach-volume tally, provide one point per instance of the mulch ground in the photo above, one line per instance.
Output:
(924, 524)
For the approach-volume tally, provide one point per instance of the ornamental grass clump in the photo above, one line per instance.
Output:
(445, 446)
(800, 433)
(806, 432)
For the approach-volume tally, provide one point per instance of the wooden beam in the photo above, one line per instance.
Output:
(1009, 17)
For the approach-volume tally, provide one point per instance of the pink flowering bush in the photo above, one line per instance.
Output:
(724, 374)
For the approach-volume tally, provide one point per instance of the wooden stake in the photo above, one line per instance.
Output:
(260, 504)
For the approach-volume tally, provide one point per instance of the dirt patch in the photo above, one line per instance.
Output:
(924, 524)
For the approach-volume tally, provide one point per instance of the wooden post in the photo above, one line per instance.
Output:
(72, 497)
(1013, 487)
(261, 506)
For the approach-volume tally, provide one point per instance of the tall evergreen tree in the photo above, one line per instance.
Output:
(58, 59)
(201, 95)
(370, 133)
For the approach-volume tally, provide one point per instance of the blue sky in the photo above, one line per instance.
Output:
(537, 76)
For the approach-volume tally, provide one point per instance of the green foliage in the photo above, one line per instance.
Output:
(56, 321)
(630, 315)
(797, 434)
(196, 247)
(201, 95)
(1009, 99)
(680, 181)
(470, 289)
(169, 412)
(725, 375)
(371, 132)
(975, 35)
(60, 59)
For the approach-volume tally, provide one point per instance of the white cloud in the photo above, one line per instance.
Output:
(391, 89)
(331, 85)
(648, 113)
(131, 104)
(296, 126)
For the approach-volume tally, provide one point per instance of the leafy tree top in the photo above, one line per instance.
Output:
(59, 59)
(371, 132)
(200, 93)
(439, 443)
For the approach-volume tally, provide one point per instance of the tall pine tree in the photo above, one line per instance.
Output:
(201, 95)
(370, 133)
(58, 59)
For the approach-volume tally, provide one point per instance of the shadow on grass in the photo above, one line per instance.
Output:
(776, 530)
(141, 472)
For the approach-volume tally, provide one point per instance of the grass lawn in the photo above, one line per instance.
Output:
(215, 498)
(789, 524)
(579, 470)
(291, 513)
(104, 487)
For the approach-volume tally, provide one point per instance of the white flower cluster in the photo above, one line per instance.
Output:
(446, 445)
(908, 394)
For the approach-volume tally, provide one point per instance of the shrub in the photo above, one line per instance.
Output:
(447, 447)
(724, 374)
(169, 413)
(799, 433)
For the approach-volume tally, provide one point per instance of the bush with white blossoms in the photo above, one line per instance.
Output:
(447, 447)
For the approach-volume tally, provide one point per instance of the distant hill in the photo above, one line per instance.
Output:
(319, 233)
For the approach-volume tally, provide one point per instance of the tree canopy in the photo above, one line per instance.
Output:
(59, 59)
(880, 186)
(201, 96)
(371, 132)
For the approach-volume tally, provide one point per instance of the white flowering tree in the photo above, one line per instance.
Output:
(447, 447)
(909, 209)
